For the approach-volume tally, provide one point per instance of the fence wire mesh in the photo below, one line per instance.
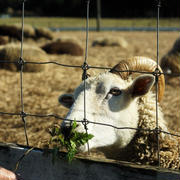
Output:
(85, 67)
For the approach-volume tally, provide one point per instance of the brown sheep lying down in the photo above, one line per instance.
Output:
(63, 47)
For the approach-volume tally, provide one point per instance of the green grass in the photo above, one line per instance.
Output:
(105, 22)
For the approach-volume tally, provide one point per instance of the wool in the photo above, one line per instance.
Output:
(171, 60)
(11, 53)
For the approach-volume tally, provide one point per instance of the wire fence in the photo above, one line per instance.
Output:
(85, 67)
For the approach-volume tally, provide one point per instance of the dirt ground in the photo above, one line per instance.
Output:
(41, 90)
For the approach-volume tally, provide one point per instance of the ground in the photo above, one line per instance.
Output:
(41, 90)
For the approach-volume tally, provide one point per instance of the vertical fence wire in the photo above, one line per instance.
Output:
(85, 68)
(87, 31)
(21, 63)
(157, 76)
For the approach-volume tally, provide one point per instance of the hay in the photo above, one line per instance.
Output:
(63, 47)
(44, 32)
(11, 53)
(110, 41)
(4, 40)
(170, 62)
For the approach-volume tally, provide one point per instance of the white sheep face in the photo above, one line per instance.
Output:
(109, 100)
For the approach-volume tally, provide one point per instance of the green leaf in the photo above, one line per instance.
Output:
(74, 140)
(73, 144)
(57, 130)
(71, 154)
(74, 125)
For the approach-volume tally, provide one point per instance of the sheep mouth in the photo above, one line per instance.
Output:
(66, 131)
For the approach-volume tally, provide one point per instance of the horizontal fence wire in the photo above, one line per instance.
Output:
(155, 73)
(22, 63)
(80, 121)
(91, 67)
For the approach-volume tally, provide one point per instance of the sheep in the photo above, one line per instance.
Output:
(110, 41)
(15, 31)
(44, 32)
(171, 61)
(11, 52)
(117, 99)
(63, 47)
(4, 40)
(11, 31)
(29, 31)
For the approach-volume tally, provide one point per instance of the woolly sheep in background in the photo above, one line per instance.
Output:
(170, 62)
(115, 98)
(63, 47)
(11, 53)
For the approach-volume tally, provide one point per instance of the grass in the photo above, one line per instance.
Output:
(80, 22)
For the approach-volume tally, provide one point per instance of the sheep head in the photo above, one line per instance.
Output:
(111, 98)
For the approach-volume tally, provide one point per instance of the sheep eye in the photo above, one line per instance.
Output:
(115, 91)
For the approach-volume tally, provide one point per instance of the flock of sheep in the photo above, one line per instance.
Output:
(10, 36)
(116, 98)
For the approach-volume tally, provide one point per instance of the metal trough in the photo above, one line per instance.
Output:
(38, 165)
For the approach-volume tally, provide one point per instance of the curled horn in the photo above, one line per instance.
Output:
(142, 64)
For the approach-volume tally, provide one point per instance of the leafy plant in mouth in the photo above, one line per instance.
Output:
(70, 140)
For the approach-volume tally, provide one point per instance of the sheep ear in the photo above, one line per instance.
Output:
(142, 85)
(66, 100)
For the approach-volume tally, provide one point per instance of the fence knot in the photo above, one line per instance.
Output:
(23, 115)
(85, 67)
(85, 123)
(21, 61)
(157, 73)
(157, 130)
